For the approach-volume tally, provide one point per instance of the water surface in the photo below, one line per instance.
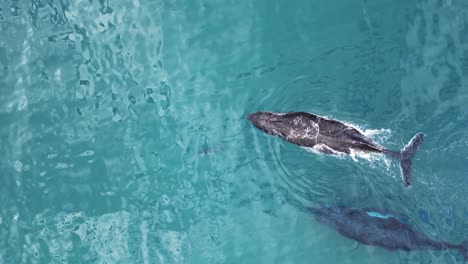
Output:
(124, 137)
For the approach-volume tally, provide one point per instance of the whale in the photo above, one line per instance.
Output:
(380, 228)
(331, 136)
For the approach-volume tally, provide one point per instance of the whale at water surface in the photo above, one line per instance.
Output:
(380, 228)
(330, 136)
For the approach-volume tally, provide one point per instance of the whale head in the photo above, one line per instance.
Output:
(271, 123)
(295, 127)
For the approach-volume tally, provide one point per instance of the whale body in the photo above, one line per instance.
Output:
(330, 136)
(380, 228)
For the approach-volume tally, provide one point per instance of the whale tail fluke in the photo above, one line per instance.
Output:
(406, 157)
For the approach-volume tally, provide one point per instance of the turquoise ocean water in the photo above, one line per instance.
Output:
(124, 139)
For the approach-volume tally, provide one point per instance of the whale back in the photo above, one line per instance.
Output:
(308, 130)
(371, 227)
(342, 137)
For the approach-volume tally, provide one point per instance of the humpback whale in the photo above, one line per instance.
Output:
(330, 136)
(380, 228)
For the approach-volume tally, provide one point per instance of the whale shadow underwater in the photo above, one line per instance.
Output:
(380, 228)
(330, 136)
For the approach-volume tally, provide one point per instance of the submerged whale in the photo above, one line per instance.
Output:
(330, 136)
(380, 228)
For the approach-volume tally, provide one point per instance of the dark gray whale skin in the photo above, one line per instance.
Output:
(309, 130)
(380, 228)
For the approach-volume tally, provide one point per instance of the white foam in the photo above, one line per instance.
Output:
(370, 132)
(369, 156)
(376, 132)
(312, 150)
(322, 149)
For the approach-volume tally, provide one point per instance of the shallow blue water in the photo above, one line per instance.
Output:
(123, 135)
